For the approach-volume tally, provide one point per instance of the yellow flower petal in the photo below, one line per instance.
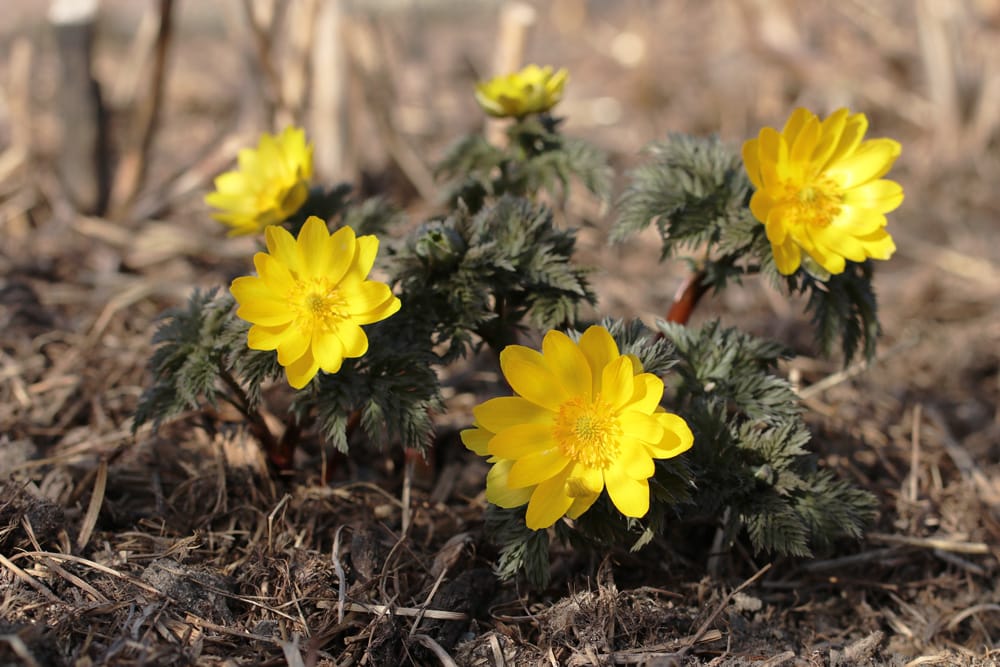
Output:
(796, 122)
(504, 412)
(536, 467)
(584, 481)
(850, 138)
(520, 440)
(548, 503)
(293, 346)
(634, 460)
(313, 248)
(250, 288)
(773, 154)
(353, 338)
(834, 240)
(580, 505)
(370, 296)
(878, 244)
(567, 362)
(630, 496)
(648, 393)
(787, 257)
(300, 372)
(858, 221)
(677, 437)
(641, 426)
(528, 376)
(870, 161)
(600, 350)
(882, 196)
(617, 383)
(339, 249)
(329, 351)
(751, 161)
(276, 275)
(262, 337)
(499, 492)
(388, 307)
(366, 249)
(803, 145)
(269, 313)
(831, 133)
(283, 249)
(477, 439)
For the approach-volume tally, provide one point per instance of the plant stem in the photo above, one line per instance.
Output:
(274, 450)
(687, 297)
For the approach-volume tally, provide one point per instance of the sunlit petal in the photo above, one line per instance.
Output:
(477, 440)
(529, 376)
(548, 503)
(630, 496)
(497, 414)
(600, 350)
(520, 440)
(618, 383)
(567, 362)
(300, 372)
(499, 491)
(535, 467)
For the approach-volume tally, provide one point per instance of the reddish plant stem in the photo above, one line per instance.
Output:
(687, 297)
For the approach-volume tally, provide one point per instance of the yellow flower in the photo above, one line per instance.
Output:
(271, 184)
(820, 190)
(310, 297)
(532, 90)
(584, 418)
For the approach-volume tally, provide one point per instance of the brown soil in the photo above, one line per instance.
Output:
(180, 546)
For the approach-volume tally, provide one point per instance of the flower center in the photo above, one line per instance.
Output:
(816, 203)
(587, 432)
(317, 305)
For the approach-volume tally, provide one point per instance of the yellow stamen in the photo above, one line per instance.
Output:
(816, 203)
(317, 306)
(587, 432)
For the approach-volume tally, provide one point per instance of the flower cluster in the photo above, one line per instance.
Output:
(584, 418)
(310, 297)
(819, 190)
(534, 89)
(271, 184)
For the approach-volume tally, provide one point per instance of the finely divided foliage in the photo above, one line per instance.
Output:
(535, 158)
(481, 275)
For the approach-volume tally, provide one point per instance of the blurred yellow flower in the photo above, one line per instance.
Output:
(310, 296)
(532, 90)
(584, 418)
(820, 190)
(271, 184)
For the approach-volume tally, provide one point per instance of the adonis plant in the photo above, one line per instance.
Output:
(609, 434)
